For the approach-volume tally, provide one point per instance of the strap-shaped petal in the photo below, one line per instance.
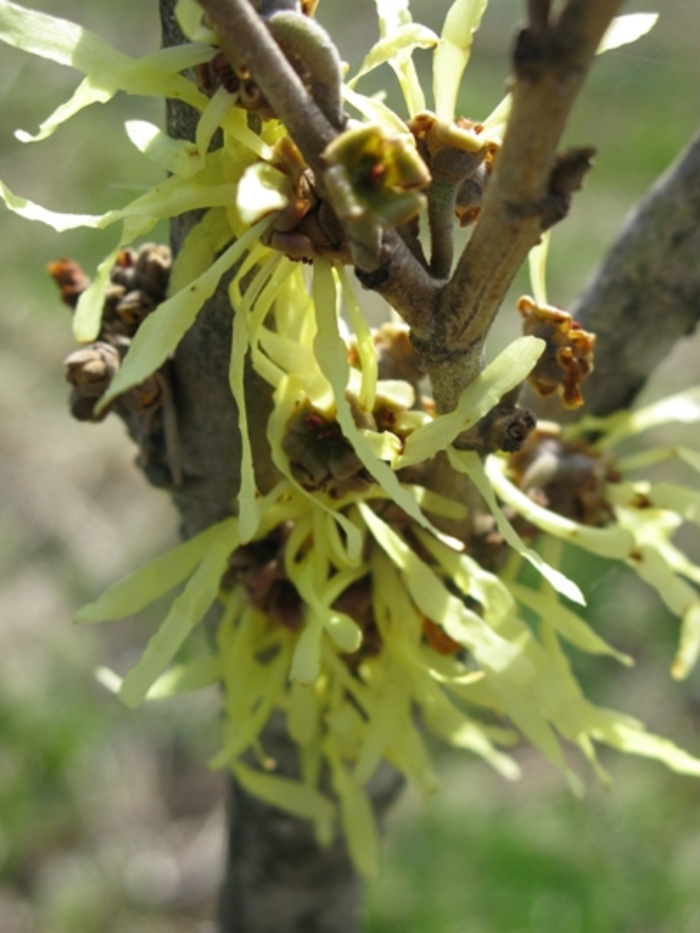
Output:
(468, 462)
(185, 614)
(331, 355)
(396, 48)
(147, 584)
(453, 53)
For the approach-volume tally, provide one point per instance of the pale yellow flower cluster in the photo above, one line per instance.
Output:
(345, 609)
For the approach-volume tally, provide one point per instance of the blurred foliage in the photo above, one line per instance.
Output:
(109, 820)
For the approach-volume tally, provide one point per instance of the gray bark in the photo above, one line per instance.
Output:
(209, 440)
(646, 294)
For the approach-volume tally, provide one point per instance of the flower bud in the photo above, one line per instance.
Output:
(90, 370)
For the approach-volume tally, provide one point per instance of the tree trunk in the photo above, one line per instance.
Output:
(277, 879)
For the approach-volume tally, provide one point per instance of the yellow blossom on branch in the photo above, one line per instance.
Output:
(345, 606)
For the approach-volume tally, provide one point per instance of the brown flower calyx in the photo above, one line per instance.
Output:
(399, 406)
(438, 639)
(320, 456)
(505, 427)
(307, 226)
(568, 478)
(259, 567)
(138, 283)
(397, 358)
(90, 370)
(457, 160)
(434, 136)
(470, 194)
(356, 602)
(219, 73)
(568, 356)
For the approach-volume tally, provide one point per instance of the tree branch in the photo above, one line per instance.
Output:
(646, 295)
(551, 60)
(247, 43)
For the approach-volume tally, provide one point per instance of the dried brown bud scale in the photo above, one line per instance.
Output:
(568, 356)
(70, 278)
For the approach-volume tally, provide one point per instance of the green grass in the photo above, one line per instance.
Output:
(536, 860)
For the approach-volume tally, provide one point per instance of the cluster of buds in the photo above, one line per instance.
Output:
(138, 284)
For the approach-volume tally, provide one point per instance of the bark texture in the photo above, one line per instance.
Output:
(646, 294)
(206, 413)
(210, 444)
(278, 879)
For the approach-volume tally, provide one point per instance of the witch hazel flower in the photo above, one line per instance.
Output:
(346, 610)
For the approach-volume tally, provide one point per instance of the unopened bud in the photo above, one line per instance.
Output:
(90, 370)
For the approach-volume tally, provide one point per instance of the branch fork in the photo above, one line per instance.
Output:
(449, 312)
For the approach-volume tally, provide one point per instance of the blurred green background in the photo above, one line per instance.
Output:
(110, 821)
